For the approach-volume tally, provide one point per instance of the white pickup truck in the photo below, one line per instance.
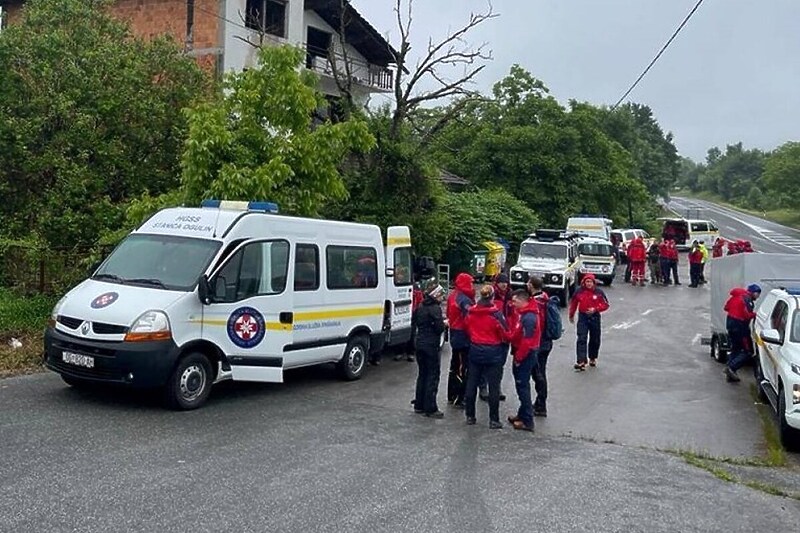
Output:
(776, 332)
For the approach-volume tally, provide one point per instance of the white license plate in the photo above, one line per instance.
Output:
(78, 359)
(402, 310)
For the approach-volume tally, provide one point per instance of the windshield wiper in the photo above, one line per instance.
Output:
(148, 281)
(108, 277)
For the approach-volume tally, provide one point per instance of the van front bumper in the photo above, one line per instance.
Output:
(135, 364)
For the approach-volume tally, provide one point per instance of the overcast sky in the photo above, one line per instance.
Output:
(733, 73)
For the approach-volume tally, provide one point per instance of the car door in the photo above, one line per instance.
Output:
(251, 311)
(777, 321)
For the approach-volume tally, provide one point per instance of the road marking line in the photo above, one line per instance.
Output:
(626, 325)
(647, 312)
(697, 338)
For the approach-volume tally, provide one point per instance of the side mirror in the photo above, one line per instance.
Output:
(204, 290)
(771, 336)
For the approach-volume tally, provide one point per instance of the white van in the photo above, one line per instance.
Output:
(232, 290)
(685, 231)
(591, 226)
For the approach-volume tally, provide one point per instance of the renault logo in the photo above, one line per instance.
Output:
(85, 328)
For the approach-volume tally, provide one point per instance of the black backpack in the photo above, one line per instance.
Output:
(553, 329)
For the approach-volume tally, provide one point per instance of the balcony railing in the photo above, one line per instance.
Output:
(375, 77)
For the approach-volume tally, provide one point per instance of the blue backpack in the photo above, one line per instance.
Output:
(552, 324)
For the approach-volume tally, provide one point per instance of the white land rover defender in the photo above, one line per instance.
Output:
(553, 256)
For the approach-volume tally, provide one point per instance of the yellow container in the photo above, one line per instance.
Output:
(494, 259)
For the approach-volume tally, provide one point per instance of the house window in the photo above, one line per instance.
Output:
(318, 43)
(268, 16)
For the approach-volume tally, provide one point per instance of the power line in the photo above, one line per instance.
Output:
(663, 49)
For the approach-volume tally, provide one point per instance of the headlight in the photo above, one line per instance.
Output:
(606, 269)
(56, 310)
(555, 278)
(516, 275)
(796, 369)
(151, 326)
(795, 393)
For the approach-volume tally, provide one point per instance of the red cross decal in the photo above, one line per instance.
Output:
(246, 327)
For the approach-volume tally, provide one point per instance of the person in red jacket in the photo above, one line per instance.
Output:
(458, 305)
(695, 265)
(740, 308)
(674, 260)
(664, 255)
(502, 296)
(589, 302)
(718, 250)
(488, 336)
(637, 255)
(525, 342)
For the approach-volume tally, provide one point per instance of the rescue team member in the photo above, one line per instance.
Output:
(487, 355)
(718, 250)
(539, 375)
(525, 341)
(417, 297)
(674, 260)
(695, 265)
(654, 262)
(458, 304)
(705, 253)
(502, 300)
(637, 256)
(430, 326)
(589, 301)
(740, 313)
(663, 250)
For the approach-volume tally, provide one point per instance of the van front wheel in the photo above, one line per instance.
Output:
(190, 383)
(354, 361)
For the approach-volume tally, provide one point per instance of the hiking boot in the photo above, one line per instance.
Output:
(579, 367)
(411, 359)
(398, 357)
(471, 421)
(520, 425)
(512, 419)
(435, 414)
(540, 412)
(592, 362)
(730, 375)
(494, 424)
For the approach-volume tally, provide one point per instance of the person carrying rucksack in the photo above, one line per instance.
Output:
(551, 331)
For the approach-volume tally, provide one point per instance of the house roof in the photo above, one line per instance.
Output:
(358, 32)
(448, 178)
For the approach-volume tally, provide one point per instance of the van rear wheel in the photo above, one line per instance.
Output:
(190, 383)
(354, 361)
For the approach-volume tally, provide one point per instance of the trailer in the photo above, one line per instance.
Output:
(770, 271)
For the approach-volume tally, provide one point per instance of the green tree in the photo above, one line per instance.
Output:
(782, 174)
(259, 142)
(90, 116)
(732, 174)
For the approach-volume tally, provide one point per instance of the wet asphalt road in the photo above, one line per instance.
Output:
(317, 454)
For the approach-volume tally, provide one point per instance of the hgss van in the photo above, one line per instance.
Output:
(235, 291)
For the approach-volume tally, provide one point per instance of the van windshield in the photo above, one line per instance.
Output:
(538, 250)
(160, 261)
(597, 250)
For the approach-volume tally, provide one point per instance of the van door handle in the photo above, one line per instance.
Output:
(286, 318)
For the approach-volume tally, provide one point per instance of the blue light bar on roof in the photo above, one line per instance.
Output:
(266, 207)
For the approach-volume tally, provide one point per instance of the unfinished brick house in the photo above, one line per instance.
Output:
(221, 34)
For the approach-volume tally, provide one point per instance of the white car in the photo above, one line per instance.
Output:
(551, 255)
(777, 337)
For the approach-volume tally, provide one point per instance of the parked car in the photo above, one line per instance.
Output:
(776, 332)
(621, 238)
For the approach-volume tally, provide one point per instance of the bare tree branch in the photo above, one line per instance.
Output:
(452, 51)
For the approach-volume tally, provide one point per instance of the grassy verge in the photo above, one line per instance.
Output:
(785, 217)
(22, 320)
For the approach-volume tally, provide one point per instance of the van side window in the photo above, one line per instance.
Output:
(351, 267)
(257, 269)
(402, 267)
(306, 267)
(699, 226)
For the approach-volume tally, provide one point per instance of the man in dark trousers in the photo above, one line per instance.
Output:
(740, 307)
(539, 374)
(430, 325)
(458, 305)
(525, 341)
(695, 265)
(589, 302)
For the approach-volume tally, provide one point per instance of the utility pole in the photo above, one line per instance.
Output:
(189, 25)
(630, 213)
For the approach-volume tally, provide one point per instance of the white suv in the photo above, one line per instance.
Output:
(553, 256)
(777, 334)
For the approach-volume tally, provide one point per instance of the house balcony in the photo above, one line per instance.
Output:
(373, 78)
